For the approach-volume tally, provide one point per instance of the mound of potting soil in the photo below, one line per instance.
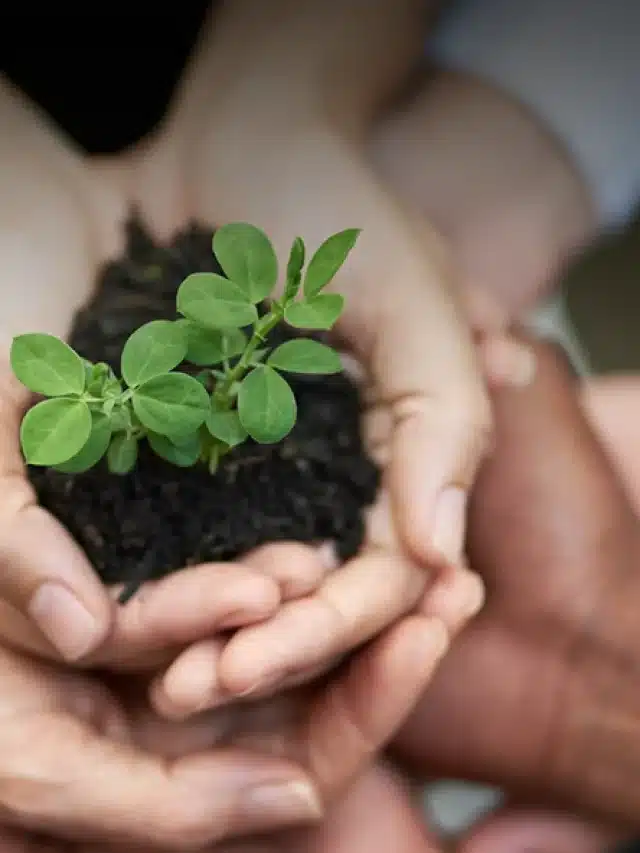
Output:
(312, 487)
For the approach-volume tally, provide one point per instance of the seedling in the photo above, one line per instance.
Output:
(240, 391)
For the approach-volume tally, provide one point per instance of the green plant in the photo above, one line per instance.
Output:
(240, 391)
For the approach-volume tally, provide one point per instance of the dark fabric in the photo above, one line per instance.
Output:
(105, 77)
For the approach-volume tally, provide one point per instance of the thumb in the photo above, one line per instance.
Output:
(49, 593)
(424, 363)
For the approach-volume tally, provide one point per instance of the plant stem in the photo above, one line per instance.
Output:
(260, 332)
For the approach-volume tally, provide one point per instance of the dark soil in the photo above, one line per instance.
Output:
(312, 487)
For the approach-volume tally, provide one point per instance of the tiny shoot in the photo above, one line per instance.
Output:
(239, 391)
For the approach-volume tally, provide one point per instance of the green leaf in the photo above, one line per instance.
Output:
(247, 257)
(320, 313)
(94, 448)
(53, 431)
(328, 259)
(266, 405)
(152, 350)
(122, 454)
(294, 268)
(305, 356)
(173, 405)
(98, 376)
(46, 365)
(206, 347)
(226, 427)
(214, 302)
(184, 455)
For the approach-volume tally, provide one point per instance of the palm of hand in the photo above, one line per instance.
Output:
(556, 542)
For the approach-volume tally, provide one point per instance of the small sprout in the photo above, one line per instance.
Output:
(239, 392)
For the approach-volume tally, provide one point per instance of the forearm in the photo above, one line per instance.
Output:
(48, 246)
(300, 60)
(492, 179)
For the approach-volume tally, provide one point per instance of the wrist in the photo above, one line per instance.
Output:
(493, 181)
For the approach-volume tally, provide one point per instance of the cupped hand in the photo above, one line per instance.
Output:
(539, 695)
(69, 767)
(74, 764)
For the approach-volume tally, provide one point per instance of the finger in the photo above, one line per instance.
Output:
(525, 831)
(44, 575)
(362, 709)
(428, 373)
(185, 607)
(394, 822)
(73, 783)
(191, 683)
(297, 569)
(51, 596)
(455, 598)
(506, 361)
(353, 605)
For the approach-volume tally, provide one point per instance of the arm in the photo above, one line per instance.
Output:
(57, 222)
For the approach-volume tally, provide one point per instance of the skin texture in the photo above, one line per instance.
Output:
(550, 416)
(538, 694)
(73, 215)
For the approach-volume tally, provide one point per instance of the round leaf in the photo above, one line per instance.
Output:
(123, 453)
(173, 405)
(94, 448)
(304, 356)
(320, 313)
(246, 255)
(214, 302)
(226, 427)
(53, 431)
(328, 259)
(153, 349)
(266, 405)
(46, 365)
(184, 455)
(206, 347)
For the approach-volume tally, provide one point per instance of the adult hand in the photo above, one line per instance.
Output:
(539, 695)
(59, 729)
(266, 152)
(61, 217)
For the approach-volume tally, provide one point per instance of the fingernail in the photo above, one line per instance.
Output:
(288, 802)
(64, 620)
(449, 523)
(475, 598)
(260, 685)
